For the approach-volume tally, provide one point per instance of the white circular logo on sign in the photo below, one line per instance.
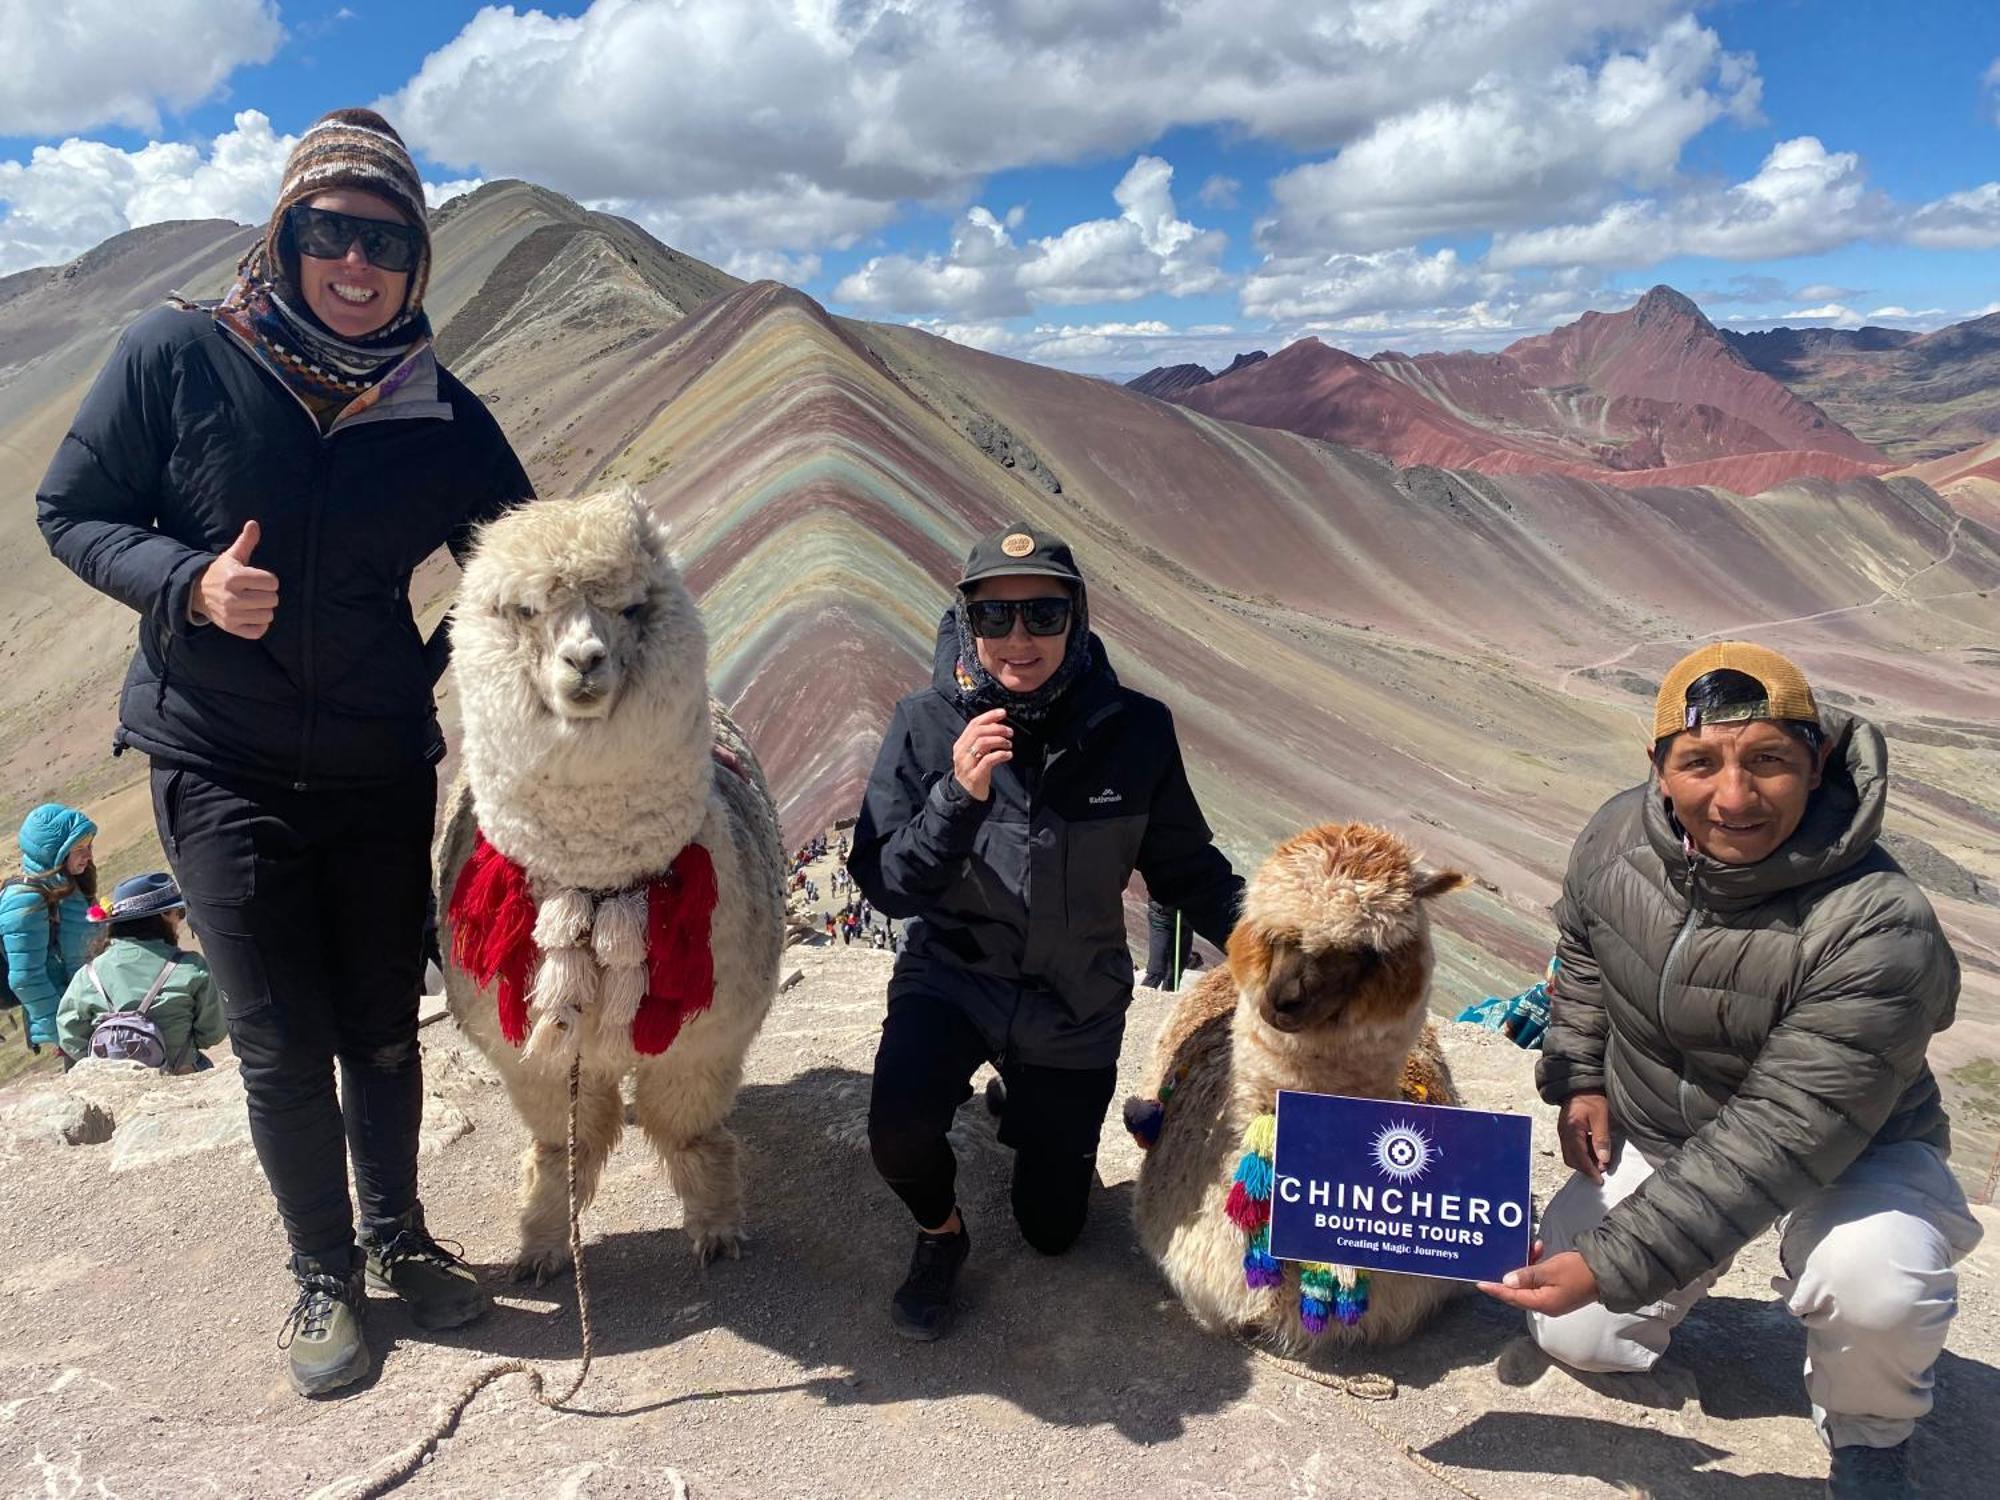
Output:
(1403, 1152)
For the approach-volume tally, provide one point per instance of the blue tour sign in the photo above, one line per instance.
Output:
(1384, 1185)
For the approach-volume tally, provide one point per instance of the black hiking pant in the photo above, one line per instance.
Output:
(310, 907)
(1052, 1117)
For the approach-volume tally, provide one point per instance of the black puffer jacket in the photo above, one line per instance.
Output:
(184, 437)
(1019, 900)
(1756, 1025)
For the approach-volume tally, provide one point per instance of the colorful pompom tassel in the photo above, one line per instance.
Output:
(1350, 1298)
(1143, 1118)
(1245, 1212)
(1325, 1292)
(1254, 1174)
(1259, 1269)
(1316, 1295)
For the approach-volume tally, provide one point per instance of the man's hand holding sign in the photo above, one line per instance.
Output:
(1563, 1283)
(1390, 1185)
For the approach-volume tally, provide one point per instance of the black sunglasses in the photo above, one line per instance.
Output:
(325, 235)
(994, 618)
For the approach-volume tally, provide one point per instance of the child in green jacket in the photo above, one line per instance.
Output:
(145, 919)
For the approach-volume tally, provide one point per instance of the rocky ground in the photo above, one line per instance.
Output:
(142, 1284)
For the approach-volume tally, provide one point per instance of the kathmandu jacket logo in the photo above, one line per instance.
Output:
(1107, 797)
(1404, 1152)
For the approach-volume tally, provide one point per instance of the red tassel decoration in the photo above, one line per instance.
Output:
(1245, 1212)
(680, 964)
(492, 915)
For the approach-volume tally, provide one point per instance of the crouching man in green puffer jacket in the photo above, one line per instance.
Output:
(1750, 984)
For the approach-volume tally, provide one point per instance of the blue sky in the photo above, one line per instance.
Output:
(1105, 184)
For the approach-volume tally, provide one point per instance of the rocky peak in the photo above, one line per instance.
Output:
(1665, 305)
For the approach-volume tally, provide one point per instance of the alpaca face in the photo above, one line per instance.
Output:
(1334, 933)
(579, 647)
(565, 605)
(1303, 991)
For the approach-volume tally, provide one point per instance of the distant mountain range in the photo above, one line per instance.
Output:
(1652, 395)
(1915, 396)
(1460, 655)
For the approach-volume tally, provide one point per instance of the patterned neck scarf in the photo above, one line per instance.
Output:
(979, 690)
(329, 374)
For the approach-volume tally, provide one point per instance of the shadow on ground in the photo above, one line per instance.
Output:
(1090, 1338)
(1664, 1466)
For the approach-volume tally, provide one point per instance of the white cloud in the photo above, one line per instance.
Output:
(1148, 249)
(1219, 192)
(1803, 199)
(1287, 290)
(438, 194)
(68, 197)
(95, 62)
(1514, 149)
(1969, 220)
(871, 105)
(772, 265)
(1834, 314)
(1905, 314)
(1123, 348)
(1992, 83)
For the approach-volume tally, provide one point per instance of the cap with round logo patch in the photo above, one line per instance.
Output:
(1019, 549)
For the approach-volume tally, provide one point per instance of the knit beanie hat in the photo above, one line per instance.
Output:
(348, 148)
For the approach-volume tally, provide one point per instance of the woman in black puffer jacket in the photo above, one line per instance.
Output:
(259, 480)
(1749, 985)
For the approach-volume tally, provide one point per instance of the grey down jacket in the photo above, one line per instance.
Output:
(1758, 1026)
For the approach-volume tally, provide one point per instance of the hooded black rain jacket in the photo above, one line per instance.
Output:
(1017, 903)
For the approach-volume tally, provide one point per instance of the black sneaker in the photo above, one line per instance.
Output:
(1862, 1473)
(322, 1337)
(440, 1288)
(921, 1308)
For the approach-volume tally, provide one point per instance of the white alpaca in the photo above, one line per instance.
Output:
(593, 758)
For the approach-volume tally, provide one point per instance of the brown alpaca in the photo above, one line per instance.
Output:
(1329, 968)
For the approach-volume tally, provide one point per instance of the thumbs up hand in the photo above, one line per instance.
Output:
(233, 595)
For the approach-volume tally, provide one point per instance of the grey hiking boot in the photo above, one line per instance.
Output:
(440, 1288)
(1861, 1473)
(322, 1337)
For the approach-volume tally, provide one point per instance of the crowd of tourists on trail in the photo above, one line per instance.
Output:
(1735, 1037)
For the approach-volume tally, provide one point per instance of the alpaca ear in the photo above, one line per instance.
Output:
(1432, 883)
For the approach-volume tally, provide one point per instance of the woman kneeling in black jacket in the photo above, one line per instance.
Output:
(1011, 802)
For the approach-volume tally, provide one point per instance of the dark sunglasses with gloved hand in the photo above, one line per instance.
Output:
(994, 618)
(325, 235)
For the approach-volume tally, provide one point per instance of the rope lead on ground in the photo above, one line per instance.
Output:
(410, 1459)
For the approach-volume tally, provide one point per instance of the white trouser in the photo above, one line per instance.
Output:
(1866, 1267)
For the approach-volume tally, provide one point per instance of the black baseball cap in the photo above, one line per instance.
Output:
(1019, 549)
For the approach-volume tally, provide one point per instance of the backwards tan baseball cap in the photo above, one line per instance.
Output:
(1786, 694)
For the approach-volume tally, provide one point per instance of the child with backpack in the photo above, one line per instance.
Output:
(143, 998)
(44, 921)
